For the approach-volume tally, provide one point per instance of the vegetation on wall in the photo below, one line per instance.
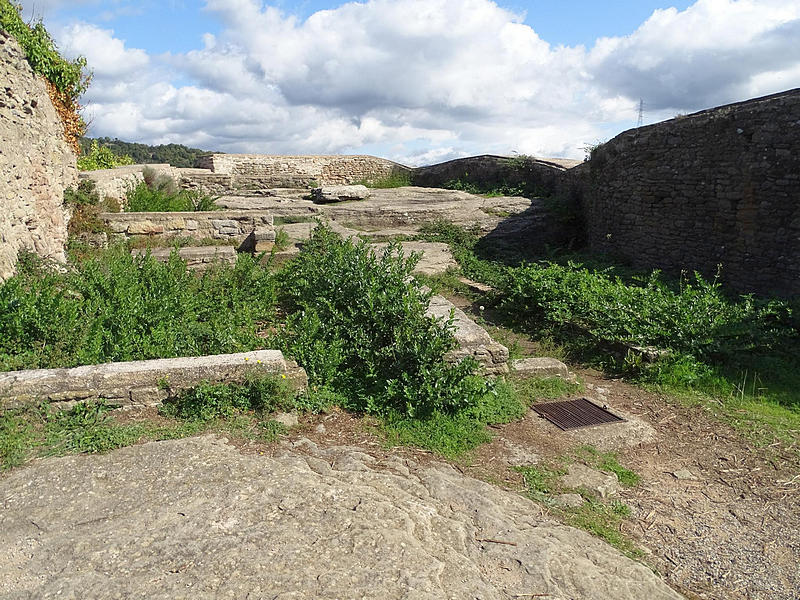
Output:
(160, 193)
(67, 79)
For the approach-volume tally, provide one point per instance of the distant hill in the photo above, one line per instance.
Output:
(176, 155)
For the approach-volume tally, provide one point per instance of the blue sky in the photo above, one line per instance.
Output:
(416, 80)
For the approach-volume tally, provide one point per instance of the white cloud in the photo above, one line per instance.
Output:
(425, 80)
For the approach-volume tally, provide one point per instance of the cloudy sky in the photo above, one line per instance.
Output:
(418, 81)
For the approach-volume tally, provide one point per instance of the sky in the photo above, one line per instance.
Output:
(416, 81)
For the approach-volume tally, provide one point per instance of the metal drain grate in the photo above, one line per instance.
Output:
(574, 414)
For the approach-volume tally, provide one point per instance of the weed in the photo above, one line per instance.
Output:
(117, 307)
(101, 157)
(282, 240)
(86, 429)
(533, 389)
(292, 219)
(604, 521)
(163, 196)
(16, 438)
(541, 481)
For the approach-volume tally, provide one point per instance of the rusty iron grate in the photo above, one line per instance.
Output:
(574, 414)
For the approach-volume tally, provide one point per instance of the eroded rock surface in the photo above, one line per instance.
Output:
(196, 518)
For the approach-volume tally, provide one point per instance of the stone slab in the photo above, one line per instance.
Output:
(196, 518)
(436, 256)
(196, 257)
(541, 367)
(473, 340)
(140, 382)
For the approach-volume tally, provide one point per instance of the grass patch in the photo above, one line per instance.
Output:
(240, 410)
(161, 197)
(534, 389)
(602, 519)
(607, 461)
(453, 435)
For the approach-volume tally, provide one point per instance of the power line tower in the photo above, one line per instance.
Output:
(641, 113)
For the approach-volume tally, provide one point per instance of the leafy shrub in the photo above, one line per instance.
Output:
(162, 195)
(117, 307)
(357, 323)
(40, 50)
(209, 401)
(101, 157)
(696, 319)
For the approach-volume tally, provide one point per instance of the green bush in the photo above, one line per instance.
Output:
(40, 50)
(209, 401)
(697, 319)
(117, 307)
(163, 196)
(357, 322)
(101, 157)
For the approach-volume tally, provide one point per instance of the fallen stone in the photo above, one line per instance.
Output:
(581, 476)
(340, 193)
(569, 500)
(287, 419)
(684, 475)
(196, 517)
(320, 428)
(541, 367)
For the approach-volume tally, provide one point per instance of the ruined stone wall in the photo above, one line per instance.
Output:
(36, 164)
(255, 170)
(720, 186)
(220, 225)
(488, 170)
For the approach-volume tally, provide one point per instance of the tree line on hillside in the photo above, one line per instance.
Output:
(176, 155)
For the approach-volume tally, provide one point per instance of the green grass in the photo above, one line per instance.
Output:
(601, 519)
(608, 462)
(240, 410)
(292, 219)
(533, 389)
(164, 198)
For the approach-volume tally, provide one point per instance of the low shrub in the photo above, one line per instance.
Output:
(101, 157)
(163, 196)
(357, 323)
(116, 307)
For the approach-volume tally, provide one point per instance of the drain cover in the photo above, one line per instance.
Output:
(574, 414)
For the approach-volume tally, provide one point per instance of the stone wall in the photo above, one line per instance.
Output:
(115, 183)
(263, 171)
(222, 225)
(721, 186)
(488, 170)
(36, 164)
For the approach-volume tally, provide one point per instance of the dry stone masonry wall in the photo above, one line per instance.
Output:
(220, 225)
(721, 186)
(249, 171)
(36, 164)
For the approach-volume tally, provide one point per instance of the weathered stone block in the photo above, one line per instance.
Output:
(340, 193)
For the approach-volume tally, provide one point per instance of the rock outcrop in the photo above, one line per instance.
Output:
(36, 163)
(197, 518)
